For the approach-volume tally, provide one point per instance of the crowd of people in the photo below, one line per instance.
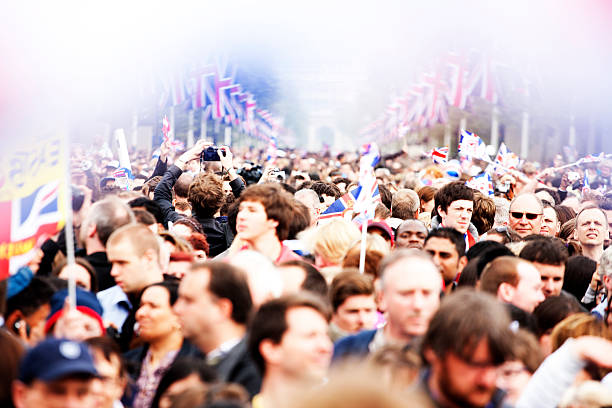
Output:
(218, 284)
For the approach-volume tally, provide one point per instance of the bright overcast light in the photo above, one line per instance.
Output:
(80, 58)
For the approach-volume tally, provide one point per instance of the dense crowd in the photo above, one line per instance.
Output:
(217, 283)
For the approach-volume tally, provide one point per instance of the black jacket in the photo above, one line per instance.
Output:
(237, 367)
(218, 234)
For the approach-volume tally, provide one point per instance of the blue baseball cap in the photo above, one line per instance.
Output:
(53, 359)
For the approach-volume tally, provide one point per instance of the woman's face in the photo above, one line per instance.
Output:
(427, 206)
(155, 317)
(81, 276)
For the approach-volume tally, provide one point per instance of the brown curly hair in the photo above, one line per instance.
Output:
(279, 205)
(206, 195)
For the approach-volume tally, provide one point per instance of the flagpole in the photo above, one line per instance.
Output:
(68, 228)
(190, 120)
(362, 253)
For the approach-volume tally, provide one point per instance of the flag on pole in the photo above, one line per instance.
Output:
(592, 158)
(169, 136)
(472, 146)
(439, 155)
(586, 184)
(482, 183)
(32, 195)
(506, 158)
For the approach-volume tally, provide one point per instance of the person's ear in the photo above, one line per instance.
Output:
(19, 390)
(270, 352)
(441, 213)
(461, 264)
(226, 307)
(505, 292)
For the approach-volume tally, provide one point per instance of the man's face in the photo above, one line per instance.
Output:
(356, 313)
(550, 223)
(305, 348)
(525, 215)
(464, 383)
(552, 278)
(410, 296)
(411, 234)
(457, 215)
(445, 257)
(528, 293)
(196, 307)
(129, 269)
(64, 393)
(109, 387)
(252, 221)
(592, 228)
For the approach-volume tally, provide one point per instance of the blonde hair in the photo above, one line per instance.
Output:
(333, 240)
(140, 237)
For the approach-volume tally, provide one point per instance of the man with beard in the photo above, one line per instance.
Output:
(467, 340)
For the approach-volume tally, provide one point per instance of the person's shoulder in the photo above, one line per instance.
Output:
(354, 344)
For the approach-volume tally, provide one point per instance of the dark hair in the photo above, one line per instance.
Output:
(548, 251)
(323, 187)
(229, 282)
(277, 203)
(385, 195)
(489, 255)
(190, 222)
(553, 193)
(12, 352)
(469, 274)
(38, 292)
(453, 191)
(347, 284)
(150, 185)
(454, 236)
(206, 195)
(108, 347)
(567, 229)
(93, 276)
(300, 220)
(464, 319)
(314, 281)
(171, 285)
(180, 369)
(270, 322)
(552, 310)
(481, 247)
(507, 234)
(150, 205)
(579, 271)
(144, 217)
(483, 216)
(564, 213)
(426, 193)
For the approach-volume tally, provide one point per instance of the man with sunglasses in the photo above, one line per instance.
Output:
(526, 214)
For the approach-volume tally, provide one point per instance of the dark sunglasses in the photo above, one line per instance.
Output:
(519, 215)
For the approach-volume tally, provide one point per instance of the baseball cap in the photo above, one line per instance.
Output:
(54, 359)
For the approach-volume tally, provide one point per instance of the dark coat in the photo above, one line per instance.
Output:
(236, 366)
(355, 345)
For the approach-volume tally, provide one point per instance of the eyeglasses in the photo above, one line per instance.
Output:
(519, 215)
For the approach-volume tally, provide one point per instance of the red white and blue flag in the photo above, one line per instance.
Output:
(472, 146)
(507, 159)
(30, 220)
(439, 155)
(586, 187)
(178, 91)
(482, 183)
(592, 158)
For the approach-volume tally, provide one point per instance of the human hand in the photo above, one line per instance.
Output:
(192, 154)
(226, 156)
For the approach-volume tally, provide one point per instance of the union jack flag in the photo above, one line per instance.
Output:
(439, 155)
(472, 146)
(592, 158)
(27, 222)
(482, 183)
(346, 203)
(506, 158)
